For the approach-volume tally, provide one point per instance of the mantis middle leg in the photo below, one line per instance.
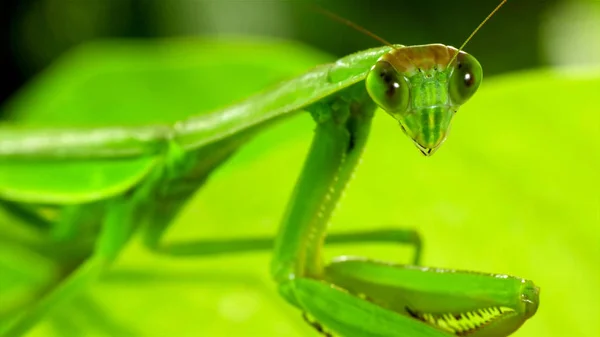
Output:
(212, 158)
(116, 228)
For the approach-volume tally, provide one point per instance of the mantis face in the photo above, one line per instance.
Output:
(422, 87)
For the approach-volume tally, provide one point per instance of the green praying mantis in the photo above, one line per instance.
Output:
(139, 178)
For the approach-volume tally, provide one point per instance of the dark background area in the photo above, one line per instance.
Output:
(36, 32)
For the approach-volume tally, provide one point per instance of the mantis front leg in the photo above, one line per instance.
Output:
(341, 132)
(359, 297)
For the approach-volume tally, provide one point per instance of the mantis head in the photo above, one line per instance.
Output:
(422, 87)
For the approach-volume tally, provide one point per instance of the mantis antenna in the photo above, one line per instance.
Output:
(355, 26)
(477, 29)
(376, 37)
(351, 24)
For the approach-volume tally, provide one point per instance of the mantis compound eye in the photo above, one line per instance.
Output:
(388, 88)
(465, 78)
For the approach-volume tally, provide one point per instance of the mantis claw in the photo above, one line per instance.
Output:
(359, 297)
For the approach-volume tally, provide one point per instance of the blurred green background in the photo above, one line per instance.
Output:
(514, 190)
(524, 34)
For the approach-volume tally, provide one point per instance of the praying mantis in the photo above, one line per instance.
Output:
(139, 178)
